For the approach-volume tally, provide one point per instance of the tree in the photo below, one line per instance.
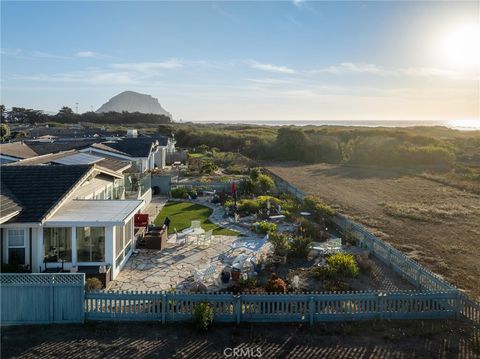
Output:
(264, 184)
(3, 113)
(4, 131)
(66, 114)
(291, 143)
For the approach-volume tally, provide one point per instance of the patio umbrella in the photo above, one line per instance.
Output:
(234, 193)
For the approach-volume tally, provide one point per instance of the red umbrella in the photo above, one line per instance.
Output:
(234, 188)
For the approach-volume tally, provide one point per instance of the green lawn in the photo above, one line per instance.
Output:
(182, 214)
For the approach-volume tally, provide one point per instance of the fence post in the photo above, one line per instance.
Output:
(311, 310)
(83, 298)
(417, 279)
(52, 316)
(164, 307)
(458, 305)
(238, 308)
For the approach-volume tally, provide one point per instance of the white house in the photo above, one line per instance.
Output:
(65, 216)
(145, 153)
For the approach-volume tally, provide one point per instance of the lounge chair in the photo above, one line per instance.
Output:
(253, 246)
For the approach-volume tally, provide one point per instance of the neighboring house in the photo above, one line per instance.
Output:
(15, 151)
(65, 216)
(73, 157)
(145, 153)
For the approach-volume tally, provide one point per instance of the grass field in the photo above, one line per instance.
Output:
(436, 224)
(182, 214)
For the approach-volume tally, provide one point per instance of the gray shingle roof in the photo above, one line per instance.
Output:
(9, 204)
(17, 150)
(39, 188)
(134, 147)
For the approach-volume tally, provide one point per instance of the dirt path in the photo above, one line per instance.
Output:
(434, 339)
(445, 236)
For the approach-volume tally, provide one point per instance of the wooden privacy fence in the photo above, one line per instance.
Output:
(308, 307)
(406, 267)
(42, 298)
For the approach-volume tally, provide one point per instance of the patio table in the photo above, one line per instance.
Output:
(193, 232)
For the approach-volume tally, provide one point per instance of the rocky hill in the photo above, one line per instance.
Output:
(131, 101)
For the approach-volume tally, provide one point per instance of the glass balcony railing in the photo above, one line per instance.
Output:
(137, 184)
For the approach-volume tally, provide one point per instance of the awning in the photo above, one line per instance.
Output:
(95, 213)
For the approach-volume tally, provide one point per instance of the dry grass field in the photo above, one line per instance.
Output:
(435, 224)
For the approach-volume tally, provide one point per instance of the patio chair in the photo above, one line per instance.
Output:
(195, 224)
(334, 245)
(205, 239)
(203, 275)
(253, 246)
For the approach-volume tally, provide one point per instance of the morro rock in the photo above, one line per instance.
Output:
(130, 101)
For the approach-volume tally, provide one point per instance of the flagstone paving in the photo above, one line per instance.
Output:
(172, 267)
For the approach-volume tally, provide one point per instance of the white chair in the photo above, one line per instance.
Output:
(195, 224)
(203, 275)
(205, 239)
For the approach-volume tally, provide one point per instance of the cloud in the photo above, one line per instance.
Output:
(86, 54)
(298, 3)
(148, 67)
(362, 68)
(271, 68)
(93, 77)
(47, 55)
(10, 52)
(349, 67)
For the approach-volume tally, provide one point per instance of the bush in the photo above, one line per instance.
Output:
(280, 243)
(365, 263)
(266, 227)
(300, 247)
(93, 284)
(248, 206)
(317, 207)
(179, 192)
(343, 265)
(276, 285)
(339, 266)
(203, 316)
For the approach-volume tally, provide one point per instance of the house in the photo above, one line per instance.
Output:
(15, 151)
(145, 153)
(68, 217)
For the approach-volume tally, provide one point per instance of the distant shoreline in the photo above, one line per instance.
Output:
(470, 125)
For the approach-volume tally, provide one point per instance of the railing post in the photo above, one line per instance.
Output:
(312, 310)
(164, 307)
(238, 306)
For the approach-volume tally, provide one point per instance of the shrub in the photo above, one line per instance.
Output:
(266, 227)
(317, 207)
(248, 206)
(249, 283)
(179, 192)
(300, 247)
(365, 263)
(343, 265)
(93, 284)
(276, 285)
(280, 243)
(203, 316)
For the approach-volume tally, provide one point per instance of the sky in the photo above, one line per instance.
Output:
(247, 61)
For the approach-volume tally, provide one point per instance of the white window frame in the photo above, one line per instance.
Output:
(24, 243)
(8, 238)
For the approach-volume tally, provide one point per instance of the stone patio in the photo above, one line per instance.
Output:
(172, 267)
